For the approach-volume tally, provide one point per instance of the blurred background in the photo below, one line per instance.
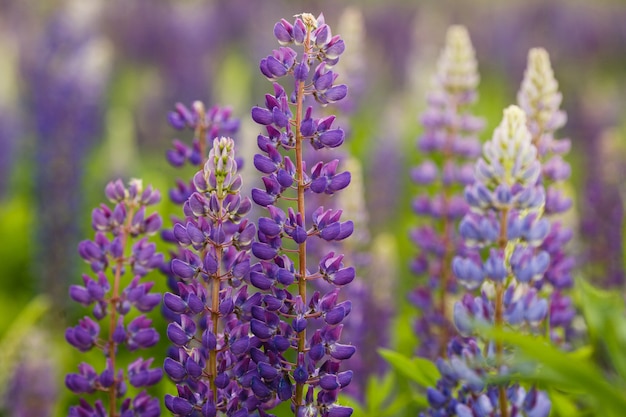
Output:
(86, 85)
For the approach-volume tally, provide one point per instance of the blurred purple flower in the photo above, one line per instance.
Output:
(65, 69)
(450, 136)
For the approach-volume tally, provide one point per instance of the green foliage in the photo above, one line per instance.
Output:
(12, 340)
(419, 370)
(382, 398)
(588, 381)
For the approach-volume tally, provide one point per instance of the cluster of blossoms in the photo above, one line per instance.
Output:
(206, 125)
(112, 257)
(314, 373)
(211, 309)
(463, 374)
(505, 226)
(540, 99)
(450, 136)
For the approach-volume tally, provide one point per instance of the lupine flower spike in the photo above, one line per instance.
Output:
(450, 137)
(505, 223)
(211, 308)
(308, 369)
(540, 99)
(112, 296)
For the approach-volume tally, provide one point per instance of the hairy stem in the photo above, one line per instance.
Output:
(301, 186)
(215, 309)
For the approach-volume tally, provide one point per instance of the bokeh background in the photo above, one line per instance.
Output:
(86, 85)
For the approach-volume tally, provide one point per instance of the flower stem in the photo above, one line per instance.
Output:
(301, 209)
(448, 243)
(119, 263)
(215, 310)
(499, 313)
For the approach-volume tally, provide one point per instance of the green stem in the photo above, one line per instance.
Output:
(499, 313)
(119, 263)
(298, 400)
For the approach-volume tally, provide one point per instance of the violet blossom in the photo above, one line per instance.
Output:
(65, 69)
(120, 256)
(211, 306)
(206, 125)
(312, 379)
(450, 138)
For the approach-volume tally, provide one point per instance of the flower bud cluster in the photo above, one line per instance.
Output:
(505, 214)
(111, 260)
(313, 378)
(211, 309)
(540, 99)
(450, 138)
(206, 125)
(462, 390)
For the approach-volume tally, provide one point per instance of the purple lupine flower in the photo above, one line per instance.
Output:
(111, 297)
(313, 381)
(206, 125)
(603, 212)
(450, 136)
(540, 99)
(65, 67)
(211, 306)
(506, 202)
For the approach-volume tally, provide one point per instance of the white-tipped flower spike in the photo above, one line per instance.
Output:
(457, 67)
(539, 95)
(509, 157)
(540, 99)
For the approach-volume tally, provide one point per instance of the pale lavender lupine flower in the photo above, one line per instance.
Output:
(120, 255)
(451, 143)
(505, 227)
(540, 99)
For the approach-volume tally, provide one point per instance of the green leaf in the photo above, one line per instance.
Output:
(604, 314)
(559, 371)
(563, 405)
(419, 370)
(378, 390)
(13, 339)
